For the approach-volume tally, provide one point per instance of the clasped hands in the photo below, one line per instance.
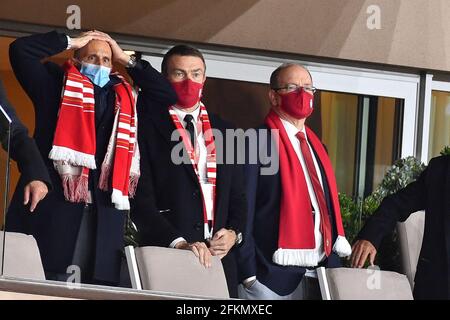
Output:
(221, 243)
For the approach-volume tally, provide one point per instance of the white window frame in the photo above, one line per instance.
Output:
(430, 85)
(252, 68)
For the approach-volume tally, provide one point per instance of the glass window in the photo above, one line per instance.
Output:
(439, 122)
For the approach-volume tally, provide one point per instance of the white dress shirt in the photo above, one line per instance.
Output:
(207, 189)
(291, 131)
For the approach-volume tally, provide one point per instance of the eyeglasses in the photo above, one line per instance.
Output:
(293, 87)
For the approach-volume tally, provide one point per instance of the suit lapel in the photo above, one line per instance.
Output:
(164, 124)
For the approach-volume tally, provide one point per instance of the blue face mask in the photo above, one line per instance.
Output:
(99, 75)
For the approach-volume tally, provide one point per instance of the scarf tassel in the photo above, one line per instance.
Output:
(341, 247)
(309, 257)
(75, 188)
(296, 257)
(104, 177)
(120, 201)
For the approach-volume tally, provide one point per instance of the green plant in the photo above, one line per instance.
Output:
(445, 151)
(355, 212)
(351, 217)
(403, 172)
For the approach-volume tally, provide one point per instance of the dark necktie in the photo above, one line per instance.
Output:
(189, 120)
(325, 224)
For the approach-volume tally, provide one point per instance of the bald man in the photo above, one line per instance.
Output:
(85, 126)
(294, 223)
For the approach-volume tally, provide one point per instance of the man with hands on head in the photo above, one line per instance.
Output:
(86, 123)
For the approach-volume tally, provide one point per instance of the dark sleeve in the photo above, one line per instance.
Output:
(155, 88)
(246, 253)
(26, 55)
(394, 208)
(237, 215)
(23, 149)
(153, 227)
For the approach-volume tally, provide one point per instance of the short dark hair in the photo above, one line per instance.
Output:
(274, 76)
(180, 50)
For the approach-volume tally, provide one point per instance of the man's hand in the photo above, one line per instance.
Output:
(37, 190)
(222, 242)
(117, 53)
(200, 250)
(84, 38)
(360, 251)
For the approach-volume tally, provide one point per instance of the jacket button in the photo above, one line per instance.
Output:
(198, 226)
(196, 193)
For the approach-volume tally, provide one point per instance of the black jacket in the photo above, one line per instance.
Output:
(430, 192)
(22, 148)
(168, 202)
(55, 222)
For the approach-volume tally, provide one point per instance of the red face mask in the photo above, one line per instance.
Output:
(189, 93)
(298, 104)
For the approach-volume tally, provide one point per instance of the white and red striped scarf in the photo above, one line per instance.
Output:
(211, 163)
(74, 143)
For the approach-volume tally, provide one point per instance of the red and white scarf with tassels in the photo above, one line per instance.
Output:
(74, 143)
(296, 242)
(204, 126)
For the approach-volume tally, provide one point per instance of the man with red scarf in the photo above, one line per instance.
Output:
(294, 223)
(85, 129)
(186, 197)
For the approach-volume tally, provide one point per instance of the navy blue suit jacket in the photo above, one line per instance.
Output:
(261, 235)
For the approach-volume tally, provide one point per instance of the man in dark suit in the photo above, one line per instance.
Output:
(23, 150)
(81, 223)
(187, 198)
(294, 223)
(430, 192)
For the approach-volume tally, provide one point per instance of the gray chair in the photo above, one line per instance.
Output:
(363, 284)
(410, 235)
(174, 270)
(22, 258)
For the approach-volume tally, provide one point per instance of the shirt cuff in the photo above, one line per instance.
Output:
(69, 42)
(249, 279)
(176, 241)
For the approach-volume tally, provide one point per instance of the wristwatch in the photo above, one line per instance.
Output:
(239, 236)
(132, 62)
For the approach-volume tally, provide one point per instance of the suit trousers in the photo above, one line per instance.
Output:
(308, 289)
(82, 266)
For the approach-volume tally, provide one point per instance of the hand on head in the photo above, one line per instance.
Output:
(86, 48)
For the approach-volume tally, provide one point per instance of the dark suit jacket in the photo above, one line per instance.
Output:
(430, 192)
(56, 222)
(22, 148)
(264, 194)
(168, 202)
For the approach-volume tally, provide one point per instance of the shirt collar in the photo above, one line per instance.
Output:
(292, 130)
(181, 114)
